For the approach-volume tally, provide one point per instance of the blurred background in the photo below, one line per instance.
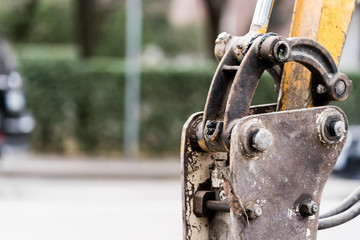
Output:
(88, 154)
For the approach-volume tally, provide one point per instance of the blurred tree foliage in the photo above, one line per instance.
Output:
(97, 26)
(37, 20)
(156, 31)
(78, 105)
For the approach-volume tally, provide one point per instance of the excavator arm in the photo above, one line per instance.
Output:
(257, 172)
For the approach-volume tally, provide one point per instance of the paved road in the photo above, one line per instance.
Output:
(80, 209)
(59, 208)
(335, 191)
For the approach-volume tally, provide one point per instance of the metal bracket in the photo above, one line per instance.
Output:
(233, 85)
(278, 183)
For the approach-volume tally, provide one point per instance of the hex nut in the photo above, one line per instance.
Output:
(308, 208)
(340, 87)
(222, 195)
(254, 138)
(332, 126)
(281, 51)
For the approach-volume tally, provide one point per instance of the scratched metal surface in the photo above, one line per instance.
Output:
(294, 169)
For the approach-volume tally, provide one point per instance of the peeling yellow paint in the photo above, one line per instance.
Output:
(334, 23)
(326, 21)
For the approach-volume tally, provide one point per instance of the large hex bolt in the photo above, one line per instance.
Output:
(254, 138)
(262, 140)
(200, 199)
(332, 126)
(308, 208)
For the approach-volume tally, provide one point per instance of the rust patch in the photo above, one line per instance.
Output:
(234, 200)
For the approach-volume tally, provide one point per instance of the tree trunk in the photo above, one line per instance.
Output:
(24, 25)
(85, 26)
(214, 9)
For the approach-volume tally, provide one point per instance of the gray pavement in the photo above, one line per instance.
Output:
(105, 199)
(89, 209)
(32, 165)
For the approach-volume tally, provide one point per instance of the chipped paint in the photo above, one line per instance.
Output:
(308, 233)
(326, 21)
(291, 213)
(195, 169)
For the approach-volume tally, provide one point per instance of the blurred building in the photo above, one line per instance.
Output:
(236, 18)
(186, 12)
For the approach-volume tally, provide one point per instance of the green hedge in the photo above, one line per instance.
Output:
(79, 105)
(76, 108)
(53, 21)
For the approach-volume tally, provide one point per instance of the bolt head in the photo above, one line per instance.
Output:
(222, 36)
(339, 129)
(253, 210)
(308, 208)
(314, 208)
(258, 211)
(320, 89)
(200, 199)
(262, 140)
(281, 51)
(222, 195)
(340, 87)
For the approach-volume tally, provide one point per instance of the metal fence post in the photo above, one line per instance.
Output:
(132, 78)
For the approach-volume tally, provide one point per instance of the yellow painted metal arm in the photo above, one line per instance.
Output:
(326, 21)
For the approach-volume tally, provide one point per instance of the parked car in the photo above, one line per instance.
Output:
(15, 118)
(349, 159)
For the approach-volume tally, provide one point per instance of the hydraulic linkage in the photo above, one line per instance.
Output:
(255, 172)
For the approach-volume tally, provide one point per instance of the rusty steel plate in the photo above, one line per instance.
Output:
(292, 170)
